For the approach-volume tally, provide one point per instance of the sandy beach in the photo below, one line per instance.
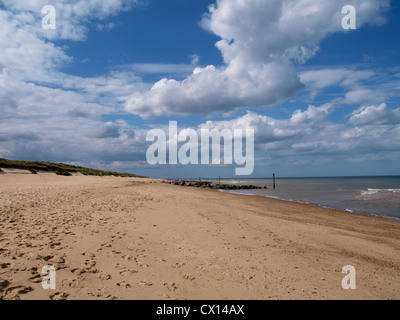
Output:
(110, 238)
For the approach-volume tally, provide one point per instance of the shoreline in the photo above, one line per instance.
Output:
(109, 238)
(237, 189)
(318, 205)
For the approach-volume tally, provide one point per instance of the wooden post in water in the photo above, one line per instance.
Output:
(274, 182)
(219, 180)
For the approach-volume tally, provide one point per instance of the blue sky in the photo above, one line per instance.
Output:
(165, 32)
(322, 101)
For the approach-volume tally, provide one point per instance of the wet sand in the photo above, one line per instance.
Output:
(109, 238)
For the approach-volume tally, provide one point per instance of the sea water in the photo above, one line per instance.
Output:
(369, 195)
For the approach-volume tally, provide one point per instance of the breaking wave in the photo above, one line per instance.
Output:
(380, 194)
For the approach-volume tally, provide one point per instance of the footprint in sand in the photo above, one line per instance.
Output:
(74, 283)
(78, 271)
(59, 296)
(125, 273)
(145, 283)
(12, 293)
(36, 278)
(127, 257)
(3, 284)
(178, 265)
(102, 293)
(143, 265)
(124, 284)
(55, 244)
(91, 270)
(90, 266)
(89, 254)
(170, 286)
(105, 277)
(90, 263)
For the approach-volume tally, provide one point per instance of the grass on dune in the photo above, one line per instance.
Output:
(60, 168)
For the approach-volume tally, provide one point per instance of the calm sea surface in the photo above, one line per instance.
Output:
(369, 195)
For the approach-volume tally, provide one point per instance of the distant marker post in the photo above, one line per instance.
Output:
(274, 181)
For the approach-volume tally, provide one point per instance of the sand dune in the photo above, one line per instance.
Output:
(109, 238)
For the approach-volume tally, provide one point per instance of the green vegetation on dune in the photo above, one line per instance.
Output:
(61, 169)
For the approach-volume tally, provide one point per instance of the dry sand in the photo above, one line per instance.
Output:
(109, 238)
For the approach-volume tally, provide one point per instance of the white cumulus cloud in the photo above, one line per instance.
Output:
(260, 42)
(375, 115)
(47, 114)
(72, 16)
